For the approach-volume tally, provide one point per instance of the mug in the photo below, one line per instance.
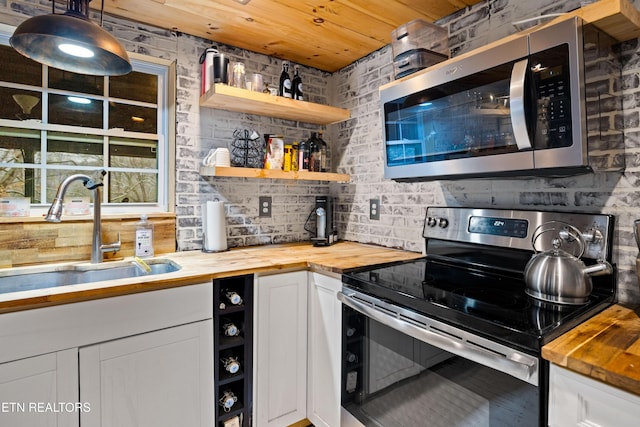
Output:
(217, 157)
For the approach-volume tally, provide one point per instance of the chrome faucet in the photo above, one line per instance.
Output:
(55, 213)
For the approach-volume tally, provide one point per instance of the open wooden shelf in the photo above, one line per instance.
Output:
(272, 174)
(224, 97)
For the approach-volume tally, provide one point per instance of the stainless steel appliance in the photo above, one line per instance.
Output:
(326, 232)
(453, 338)
(542, 103)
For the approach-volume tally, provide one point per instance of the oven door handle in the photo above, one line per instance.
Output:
(516, 104)
(523, 369)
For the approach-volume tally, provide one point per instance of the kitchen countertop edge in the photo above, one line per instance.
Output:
(199, 267)
(605, 348)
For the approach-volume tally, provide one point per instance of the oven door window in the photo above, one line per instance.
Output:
(391, 379)
(468, 117)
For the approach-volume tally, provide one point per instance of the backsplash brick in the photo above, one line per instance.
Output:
(356, 145)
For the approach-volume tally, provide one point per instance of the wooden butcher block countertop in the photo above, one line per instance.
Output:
(605, 347)
(200, 267)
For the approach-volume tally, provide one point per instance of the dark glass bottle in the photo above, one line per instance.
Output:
(315, 155)
(324, 154)
(297, 84)
(284, 89)
(303, 156)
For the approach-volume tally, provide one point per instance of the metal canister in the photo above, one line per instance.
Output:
(286, 166)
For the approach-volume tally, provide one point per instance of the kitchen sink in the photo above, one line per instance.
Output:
(30, 278)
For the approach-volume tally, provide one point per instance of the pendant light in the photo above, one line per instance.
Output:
(71, 42)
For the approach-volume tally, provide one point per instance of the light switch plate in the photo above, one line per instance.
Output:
(265, 207)
(374, 209)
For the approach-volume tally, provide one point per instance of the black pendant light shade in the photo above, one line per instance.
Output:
(42, 39)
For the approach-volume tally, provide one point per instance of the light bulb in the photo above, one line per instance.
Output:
(75, 50)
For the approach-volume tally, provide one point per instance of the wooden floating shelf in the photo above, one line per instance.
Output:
(225, 97)
(272, 174)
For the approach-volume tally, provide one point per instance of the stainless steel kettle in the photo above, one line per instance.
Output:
(558, 276)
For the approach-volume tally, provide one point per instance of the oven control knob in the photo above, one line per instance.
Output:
(431, 221)
(443, 223)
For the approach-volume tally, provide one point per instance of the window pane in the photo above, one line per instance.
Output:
(19, 145)
(133, 153)
(135, 86)
(75, 111)
(74, 149)
(18, 182)
(19, 69)
(133, 118)
(75, 189)
(82, 83)
(133, 187)
(16, 104)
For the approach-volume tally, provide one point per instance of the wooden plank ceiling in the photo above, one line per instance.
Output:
(324, 34)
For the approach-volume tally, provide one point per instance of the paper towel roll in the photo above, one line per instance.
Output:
(214, 227)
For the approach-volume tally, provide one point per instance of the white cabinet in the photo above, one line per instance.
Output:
(324, 349)
(576, 400)
(40, 391)
(280, 353)
(144, 359)
(162, 378)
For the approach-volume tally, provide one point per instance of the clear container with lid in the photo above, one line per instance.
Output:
(419, 34)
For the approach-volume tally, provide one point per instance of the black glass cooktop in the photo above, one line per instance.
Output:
(488, 303)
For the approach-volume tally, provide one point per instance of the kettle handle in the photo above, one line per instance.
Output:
(571, 231)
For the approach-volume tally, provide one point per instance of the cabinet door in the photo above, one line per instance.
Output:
(280, 362)
(576, 400)
(325, 331)
(161, 378)
(41, 391)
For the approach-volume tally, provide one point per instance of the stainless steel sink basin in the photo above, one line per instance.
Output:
(40, 278)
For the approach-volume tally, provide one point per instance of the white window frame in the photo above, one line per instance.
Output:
(165, 70)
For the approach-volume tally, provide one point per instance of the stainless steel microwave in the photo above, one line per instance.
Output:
(544, 103)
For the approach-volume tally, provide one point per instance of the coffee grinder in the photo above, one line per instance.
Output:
(326, 233)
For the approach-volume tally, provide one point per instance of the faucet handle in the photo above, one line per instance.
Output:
(91, 184)
(112, 247)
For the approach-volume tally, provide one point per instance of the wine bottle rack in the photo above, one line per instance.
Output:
(353, 336)
(238, 346)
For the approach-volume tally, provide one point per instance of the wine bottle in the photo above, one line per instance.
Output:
(231, 364)
(315, 154)
(324, 154)
(227, 400)
(297, 84)
(284, 89)
(232, 296)
(229, 329)
(303, 156)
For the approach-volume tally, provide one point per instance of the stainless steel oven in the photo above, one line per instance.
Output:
(453, 339)
(541, 103)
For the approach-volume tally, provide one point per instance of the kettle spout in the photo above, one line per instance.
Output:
(601, 268)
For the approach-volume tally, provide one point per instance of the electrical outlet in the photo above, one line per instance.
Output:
(374, 209)
(265, 206)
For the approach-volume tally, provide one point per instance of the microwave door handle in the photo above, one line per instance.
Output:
(522, 369)
(516, 100)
